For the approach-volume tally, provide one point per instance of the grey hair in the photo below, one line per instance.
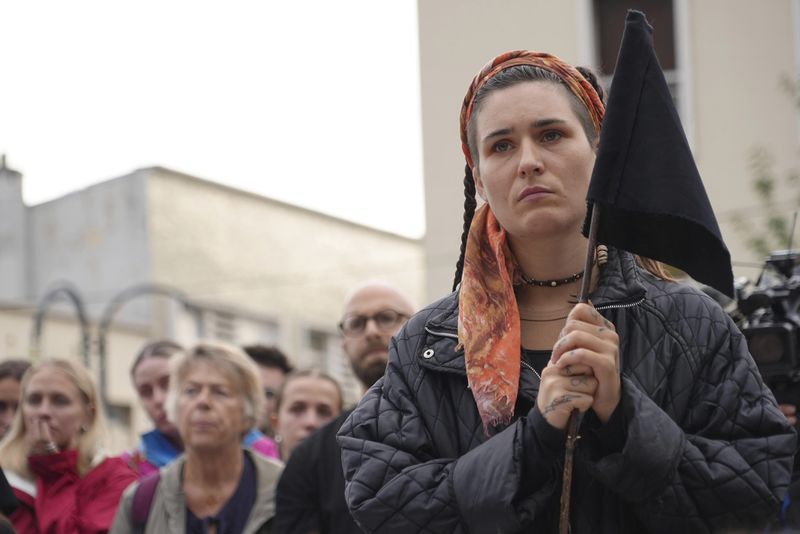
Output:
(231, 361)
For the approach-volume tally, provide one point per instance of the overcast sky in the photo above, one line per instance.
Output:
(315, 103)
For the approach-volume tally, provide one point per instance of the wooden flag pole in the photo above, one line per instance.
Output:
(574, 417)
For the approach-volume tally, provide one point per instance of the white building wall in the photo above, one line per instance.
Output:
(97, 239)
(733, 54)
(456, 39)
(274, 260)
(741, 50)
(13, 235)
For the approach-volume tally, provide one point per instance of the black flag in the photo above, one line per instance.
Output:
(652, 199)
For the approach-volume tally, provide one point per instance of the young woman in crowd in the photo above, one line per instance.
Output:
(53, 455)
(308, 400)
(11, 372)
(217, 484)
(466, 431)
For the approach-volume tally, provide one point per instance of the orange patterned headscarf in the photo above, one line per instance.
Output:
(488, 318)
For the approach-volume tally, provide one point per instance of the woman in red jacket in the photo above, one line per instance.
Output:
(53, 458)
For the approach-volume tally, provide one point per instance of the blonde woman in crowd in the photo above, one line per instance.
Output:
(53, 456)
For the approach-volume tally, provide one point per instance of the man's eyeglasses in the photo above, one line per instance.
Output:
(386, 321)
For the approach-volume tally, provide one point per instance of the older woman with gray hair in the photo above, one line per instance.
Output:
(216, 485)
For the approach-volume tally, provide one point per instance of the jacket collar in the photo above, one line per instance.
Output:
(173, 497)
(267, 473)
(157, 449)
(620, 282)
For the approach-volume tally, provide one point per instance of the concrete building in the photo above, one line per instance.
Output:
(725, 60)
(235, 266)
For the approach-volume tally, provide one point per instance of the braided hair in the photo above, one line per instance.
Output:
(507, 78)
(469, 211)
(590, 76)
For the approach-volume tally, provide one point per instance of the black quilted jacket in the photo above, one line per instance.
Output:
(696, 445)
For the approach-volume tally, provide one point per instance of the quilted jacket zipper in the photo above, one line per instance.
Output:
(618, 306)
(443, 334)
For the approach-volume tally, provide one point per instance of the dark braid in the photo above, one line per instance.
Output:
(587, 73)
(469, 212)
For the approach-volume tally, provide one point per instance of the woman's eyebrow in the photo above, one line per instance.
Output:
(547, 122)
(498, 133)
(541, 123)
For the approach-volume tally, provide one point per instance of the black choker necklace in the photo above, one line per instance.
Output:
(552, 283)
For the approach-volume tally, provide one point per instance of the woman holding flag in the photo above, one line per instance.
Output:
(466, 431)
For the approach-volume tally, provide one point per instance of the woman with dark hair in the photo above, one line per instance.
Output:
(308, 400)
(466, 431)
(150, 377)
(11, 372)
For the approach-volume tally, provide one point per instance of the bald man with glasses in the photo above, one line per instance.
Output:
(310, 495)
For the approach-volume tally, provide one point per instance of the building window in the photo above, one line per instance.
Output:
(224, 325)
(670, 39)
(610, 22)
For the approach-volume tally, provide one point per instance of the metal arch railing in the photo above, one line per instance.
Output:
(59, 289)
(111, 309)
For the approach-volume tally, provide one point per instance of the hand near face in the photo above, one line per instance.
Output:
(38, 437)
(583, 371)
(54, 411)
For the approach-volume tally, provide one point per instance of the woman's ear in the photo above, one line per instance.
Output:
(478, 182)
(250, 418)
(273, 420)
(249, 423)
(89, 412)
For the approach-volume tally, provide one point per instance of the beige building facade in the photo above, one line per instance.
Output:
(725, 66)
(198, 260)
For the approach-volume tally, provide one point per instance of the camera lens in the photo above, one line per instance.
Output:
(767, 347)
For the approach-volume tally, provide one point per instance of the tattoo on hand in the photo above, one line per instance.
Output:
(578, 380)
(564, 399)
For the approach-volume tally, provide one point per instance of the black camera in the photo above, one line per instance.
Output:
(768, 313)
